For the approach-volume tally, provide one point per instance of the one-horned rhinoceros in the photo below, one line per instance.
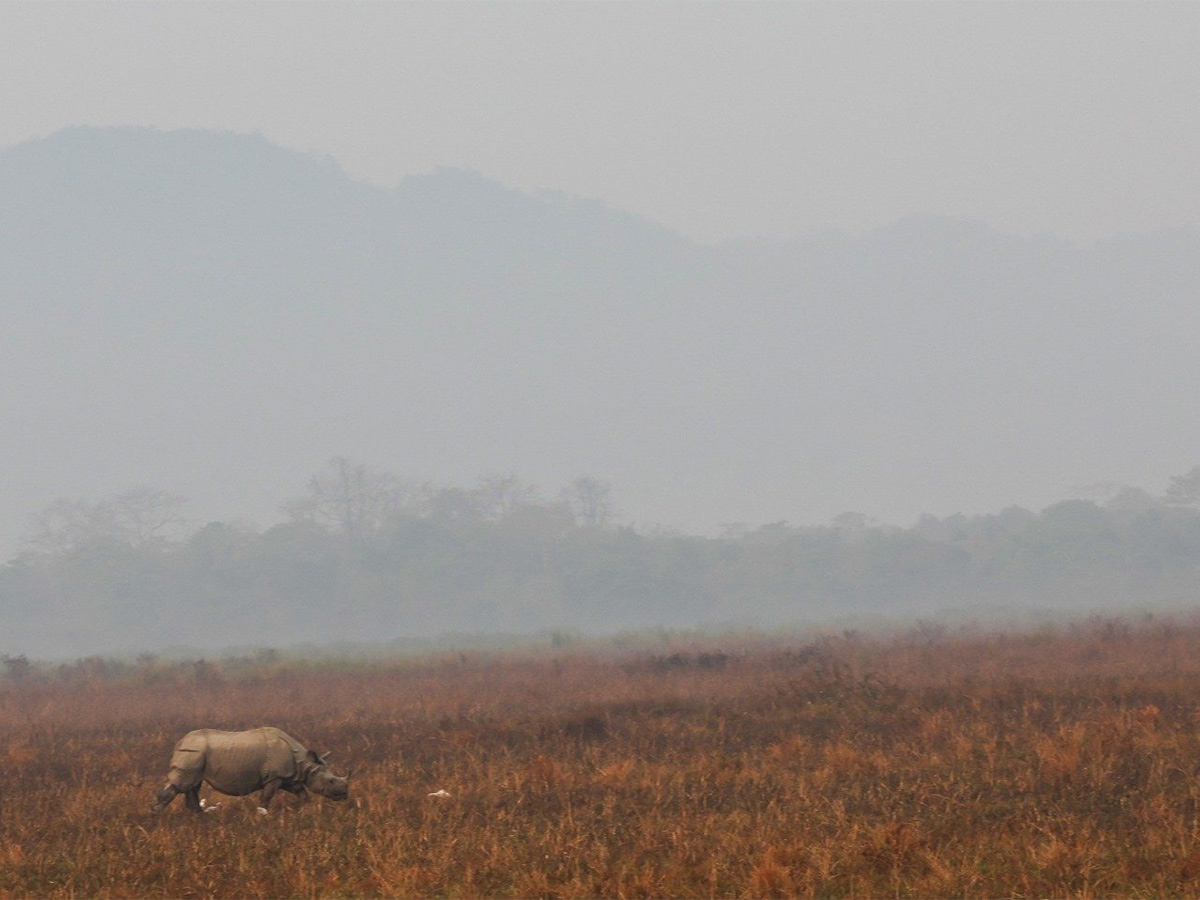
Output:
(241, 762)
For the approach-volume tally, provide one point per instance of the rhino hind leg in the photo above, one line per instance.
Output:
(163, 797)
(192, 797)
(179, 782)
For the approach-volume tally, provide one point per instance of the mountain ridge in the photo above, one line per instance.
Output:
(217, 316)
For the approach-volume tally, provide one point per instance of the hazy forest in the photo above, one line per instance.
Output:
(367, 557)
(216, 316)
(678, 428)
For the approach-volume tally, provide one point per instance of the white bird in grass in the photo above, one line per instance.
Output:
(204, 806)
(442, 793)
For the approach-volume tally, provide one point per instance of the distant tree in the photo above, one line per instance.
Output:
(1098, 491)
(352, 499)
(500, 496)
(588, 498)
(1015, 519)
(138, 517)
(453, 504)
(1132, 500)
(146, 515)
(852, 521)
(1184, 490)
(17, 668)
(543, 520)
(65, 525)
(217, 544)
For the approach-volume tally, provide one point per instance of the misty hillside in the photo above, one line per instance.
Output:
(216, 316)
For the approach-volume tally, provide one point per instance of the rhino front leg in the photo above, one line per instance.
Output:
(268, 791)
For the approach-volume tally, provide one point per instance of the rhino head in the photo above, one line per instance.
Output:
(319, 780)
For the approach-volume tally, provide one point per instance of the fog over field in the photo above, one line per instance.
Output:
(448, 244)
(213, 315)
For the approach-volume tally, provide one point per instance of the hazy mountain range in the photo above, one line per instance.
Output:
(217, 316)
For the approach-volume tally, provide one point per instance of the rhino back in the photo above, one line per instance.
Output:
(282, 739)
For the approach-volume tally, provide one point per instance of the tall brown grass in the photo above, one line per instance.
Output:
(1058, 763)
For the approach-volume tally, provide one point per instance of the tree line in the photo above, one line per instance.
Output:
(363, 555)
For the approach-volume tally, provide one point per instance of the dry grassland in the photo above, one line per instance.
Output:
(1053, 764)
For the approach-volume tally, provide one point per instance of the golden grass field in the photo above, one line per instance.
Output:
(1049, 764)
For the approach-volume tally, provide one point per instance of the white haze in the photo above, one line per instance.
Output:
(718, 120)
(888, 383)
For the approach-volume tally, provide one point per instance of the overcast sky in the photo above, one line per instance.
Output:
(717, 120)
